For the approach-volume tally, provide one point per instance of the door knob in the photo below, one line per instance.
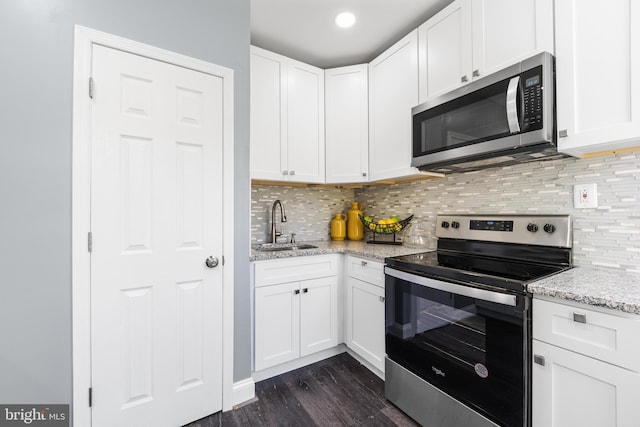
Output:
(211, 262)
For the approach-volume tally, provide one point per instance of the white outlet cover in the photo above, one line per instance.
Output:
(585, 196)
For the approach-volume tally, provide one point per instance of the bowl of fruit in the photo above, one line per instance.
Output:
(389, 225)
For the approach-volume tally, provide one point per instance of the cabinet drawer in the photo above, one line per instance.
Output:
(276, 271)
(366, 270)
(602, 334)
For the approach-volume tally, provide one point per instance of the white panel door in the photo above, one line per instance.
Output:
(156, 215)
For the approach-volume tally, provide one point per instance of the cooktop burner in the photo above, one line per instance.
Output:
(503, 251)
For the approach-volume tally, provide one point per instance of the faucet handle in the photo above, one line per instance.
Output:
(293, 238)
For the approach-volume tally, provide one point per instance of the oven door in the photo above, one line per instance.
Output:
(470, 343)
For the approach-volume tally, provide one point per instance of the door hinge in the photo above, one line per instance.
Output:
(91, 87)
(90, 241)
(90, 397)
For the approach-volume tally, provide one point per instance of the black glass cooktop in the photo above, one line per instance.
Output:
(471, 269)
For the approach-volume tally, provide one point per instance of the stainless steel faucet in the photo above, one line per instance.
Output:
(283, 218)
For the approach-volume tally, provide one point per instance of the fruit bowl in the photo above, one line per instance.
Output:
(385, 226)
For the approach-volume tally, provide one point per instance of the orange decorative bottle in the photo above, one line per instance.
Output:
(338, 227)
(355, 229)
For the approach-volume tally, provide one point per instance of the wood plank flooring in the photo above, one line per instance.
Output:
(338, 391)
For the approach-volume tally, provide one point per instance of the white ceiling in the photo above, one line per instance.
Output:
(305, 29)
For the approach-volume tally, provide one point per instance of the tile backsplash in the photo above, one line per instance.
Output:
(606, 236)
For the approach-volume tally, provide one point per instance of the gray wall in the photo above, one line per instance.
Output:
(36, 51)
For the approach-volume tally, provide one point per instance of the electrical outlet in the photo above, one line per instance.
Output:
(585, 196)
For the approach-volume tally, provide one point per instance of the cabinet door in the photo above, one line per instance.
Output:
(506, 31)
(267, 115)
(576, 390)
(445, 50)
(305, 122)
(597, 75)
(365, 321)
(277, 324)
(318, 315)
(347, 124)
(393, 91)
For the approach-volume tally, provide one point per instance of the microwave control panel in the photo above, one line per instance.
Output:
(532, 99)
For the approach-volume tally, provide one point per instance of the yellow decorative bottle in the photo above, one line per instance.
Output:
(338, 227)
(355, 229)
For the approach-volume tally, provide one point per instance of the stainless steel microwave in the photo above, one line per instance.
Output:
(504, 118)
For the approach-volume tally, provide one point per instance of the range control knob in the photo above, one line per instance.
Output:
(444, 224)
(549, 228)
(532, 227)
(455, 224)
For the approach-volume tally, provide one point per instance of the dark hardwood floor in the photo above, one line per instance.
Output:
(338, 391)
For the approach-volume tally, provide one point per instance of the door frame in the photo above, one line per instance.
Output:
(84, 39)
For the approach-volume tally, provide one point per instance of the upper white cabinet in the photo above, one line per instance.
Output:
(470, 39)
(393, 91)
(287, 119)
(597, 75)
(347, 124)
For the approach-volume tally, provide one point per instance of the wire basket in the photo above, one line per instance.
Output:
(388, 228)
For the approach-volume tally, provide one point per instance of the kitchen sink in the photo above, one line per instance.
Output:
(271, 247)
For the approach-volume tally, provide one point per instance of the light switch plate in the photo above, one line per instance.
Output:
(585, 196)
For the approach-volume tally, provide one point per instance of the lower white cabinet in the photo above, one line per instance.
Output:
(585, 368)
(365, 310)
(298, 316)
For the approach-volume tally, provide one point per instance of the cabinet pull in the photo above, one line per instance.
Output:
(292, 173)
(364, 174)
(538, 359)
(476, 73)
(363, 263)
(580, 317)
(296, 292)
(305, 290)
(464, 79)
(285, 172)
(563, 133)
(381, 299)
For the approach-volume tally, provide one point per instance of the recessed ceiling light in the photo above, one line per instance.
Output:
(345, 19)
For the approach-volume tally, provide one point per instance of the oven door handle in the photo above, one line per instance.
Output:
(482, 294)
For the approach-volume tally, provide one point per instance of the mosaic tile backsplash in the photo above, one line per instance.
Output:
(607, 236)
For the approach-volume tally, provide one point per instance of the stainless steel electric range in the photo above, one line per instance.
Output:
(458, 320)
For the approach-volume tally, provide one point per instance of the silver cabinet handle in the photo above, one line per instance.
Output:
(512, 106)
(211, 262)
(538, 359)
(363, 263)
(292, 173)
(364, 174)
(305, 290)
(285, 172)
(580, 317)
(381, 299)
(464, 79)
(563, 133)
(476, 73)
(296, 292)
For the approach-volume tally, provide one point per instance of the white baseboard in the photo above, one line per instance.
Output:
(243, 391)
(298, 363)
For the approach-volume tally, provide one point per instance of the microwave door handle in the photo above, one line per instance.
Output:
(512, 105)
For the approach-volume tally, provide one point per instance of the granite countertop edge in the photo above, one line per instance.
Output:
(600, 287)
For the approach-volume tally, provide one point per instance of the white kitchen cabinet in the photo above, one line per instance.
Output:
(365, 310)
(287, 119)
(393, 91)
(597, 76)
(586, 366)
(471, 39)
(296, 308)
(347, 124)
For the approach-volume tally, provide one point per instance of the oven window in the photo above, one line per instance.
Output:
(471, 349)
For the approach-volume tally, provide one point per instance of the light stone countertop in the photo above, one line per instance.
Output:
(602, 287)
(363, 249)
